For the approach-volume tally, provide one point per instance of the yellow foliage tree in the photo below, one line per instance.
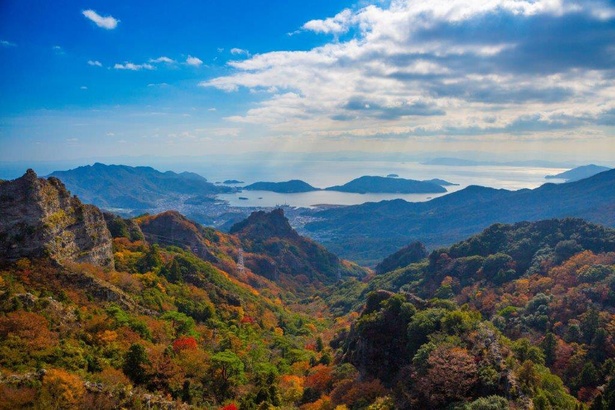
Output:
(61, 390)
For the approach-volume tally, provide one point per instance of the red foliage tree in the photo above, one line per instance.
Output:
(185, 343)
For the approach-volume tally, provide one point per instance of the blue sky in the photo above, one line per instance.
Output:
(532, 79)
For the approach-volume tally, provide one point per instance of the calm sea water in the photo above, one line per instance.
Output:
(323, 174)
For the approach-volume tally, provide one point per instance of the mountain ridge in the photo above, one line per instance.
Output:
(386, 226)
(122, 186)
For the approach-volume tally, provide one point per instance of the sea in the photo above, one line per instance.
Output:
(322, 174)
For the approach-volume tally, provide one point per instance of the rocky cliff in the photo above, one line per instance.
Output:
(39, 217)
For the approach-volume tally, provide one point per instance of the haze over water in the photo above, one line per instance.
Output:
(322, 174)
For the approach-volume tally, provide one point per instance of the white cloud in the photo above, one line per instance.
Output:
(58, 50)
(83, 87)
(333, 25)
(6, 43)
(133, 67)
(239, 51)
(108, 22)
(423, 67)
(95, 63)
(162, 59)
(193, 61)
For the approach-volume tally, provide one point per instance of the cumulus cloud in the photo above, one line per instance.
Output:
(133, 67)
(438, 67)
(95, 63)
(193, 61)
(162, 59)
(333, 25)
(108, 22)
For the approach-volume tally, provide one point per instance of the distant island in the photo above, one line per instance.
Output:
(137, 188)
(392, 176)
(362, 185)
(232, 182)
(384, 185)
(579, 173)
(288, 187)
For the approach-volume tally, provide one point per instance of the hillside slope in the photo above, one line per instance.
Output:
(366, 233)
(548, 287)
(275, 250)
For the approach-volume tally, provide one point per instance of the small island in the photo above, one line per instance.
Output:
(441, 182)
(289, 187)
(232, 182)
(578, 173)
(385, 185)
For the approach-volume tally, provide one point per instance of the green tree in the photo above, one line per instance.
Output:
(151, 261)
(228, 373)
(549, 345)
(172, 271)
(135, 361)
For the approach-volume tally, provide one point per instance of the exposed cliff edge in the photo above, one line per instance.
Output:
(39, 217)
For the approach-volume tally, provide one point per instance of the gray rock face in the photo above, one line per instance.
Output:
(39, 217)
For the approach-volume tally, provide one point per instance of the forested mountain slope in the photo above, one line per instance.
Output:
(367, 233)
(541, 294)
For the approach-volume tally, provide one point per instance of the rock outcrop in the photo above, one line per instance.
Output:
(172, 228)
(276, 251)
(39, 217)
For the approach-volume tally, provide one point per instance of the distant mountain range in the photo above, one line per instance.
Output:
(121, 186)
(578, 173)
(366, 233)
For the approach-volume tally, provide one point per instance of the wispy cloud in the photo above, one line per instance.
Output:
(58, 50)
(162, 59)
(6, 43)
(108, 22)
(95, 63)
(133, 67)
(194, 61)
(239, 51)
